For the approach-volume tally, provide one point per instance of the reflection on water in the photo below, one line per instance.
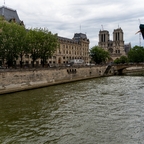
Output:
(98, 111)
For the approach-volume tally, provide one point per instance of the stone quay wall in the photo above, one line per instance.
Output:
(24, 79)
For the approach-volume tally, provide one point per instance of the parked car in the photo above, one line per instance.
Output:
(87, 64)
(1, 67)
(67, 65)
(90, 64)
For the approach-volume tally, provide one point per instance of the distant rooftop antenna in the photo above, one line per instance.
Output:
(102, 27)
(80, 28)
(3, 9)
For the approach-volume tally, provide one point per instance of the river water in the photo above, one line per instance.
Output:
(108, 110)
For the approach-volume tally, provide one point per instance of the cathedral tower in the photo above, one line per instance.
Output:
(103, 38)
(116, 46)
(118, 42)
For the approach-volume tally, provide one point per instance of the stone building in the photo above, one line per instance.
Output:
(127, 47)
(68, 49)
(75, 48)
(10, 15)
(116, 47)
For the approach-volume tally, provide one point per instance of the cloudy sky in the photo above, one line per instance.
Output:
(67, 17)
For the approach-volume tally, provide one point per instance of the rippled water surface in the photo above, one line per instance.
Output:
(107, 110)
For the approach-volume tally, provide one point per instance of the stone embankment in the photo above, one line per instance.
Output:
(13, 80)
(134, 71)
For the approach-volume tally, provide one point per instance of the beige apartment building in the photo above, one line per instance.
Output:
(69, 49)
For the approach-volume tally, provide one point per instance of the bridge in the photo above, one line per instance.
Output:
(118, 68)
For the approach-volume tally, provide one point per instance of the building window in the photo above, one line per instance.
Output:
(26, 56)
(110, 50)
(26, 62)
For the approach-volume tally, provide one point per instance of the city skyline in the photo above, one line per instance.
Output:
(66, 17)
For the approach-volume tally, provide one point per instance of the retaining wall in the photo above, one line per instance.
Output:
(22, 79)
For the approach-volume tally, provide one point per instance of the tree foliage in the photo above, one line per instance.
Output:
(99, 55)
(11, 40)
(122, 59)
(16, 41)
(33, 44)
(47, 44)
(136, 54)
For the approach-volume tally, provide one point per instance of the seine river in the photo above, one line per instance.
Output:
(108, 110)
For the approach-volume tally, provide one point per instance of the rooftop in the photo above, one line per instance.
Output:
(9, 14)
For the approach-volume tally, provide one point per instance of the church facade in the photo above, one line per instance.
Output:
(115, 47)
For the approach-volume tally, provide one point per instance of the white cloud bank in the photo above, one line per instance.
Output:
(67, 17)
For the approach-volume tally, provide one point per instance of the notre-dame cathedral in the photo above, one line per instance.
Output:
(116, 47)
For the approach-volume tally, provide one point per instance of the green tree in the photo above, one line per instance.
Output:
(122, 59)
(8, 43)
(3, 25)
(33, 44)
(22, 44)
(48, 43)
(99, 55)
(42, 44)
(136, 54)
(15, 41)
(117, 61)
(12, 41)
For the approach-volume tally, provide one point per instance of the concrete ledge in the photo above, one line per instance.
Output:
(15, 81)
(30, 87)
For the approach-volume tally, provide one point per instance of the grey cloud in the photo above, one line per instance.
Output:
(65, 17)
